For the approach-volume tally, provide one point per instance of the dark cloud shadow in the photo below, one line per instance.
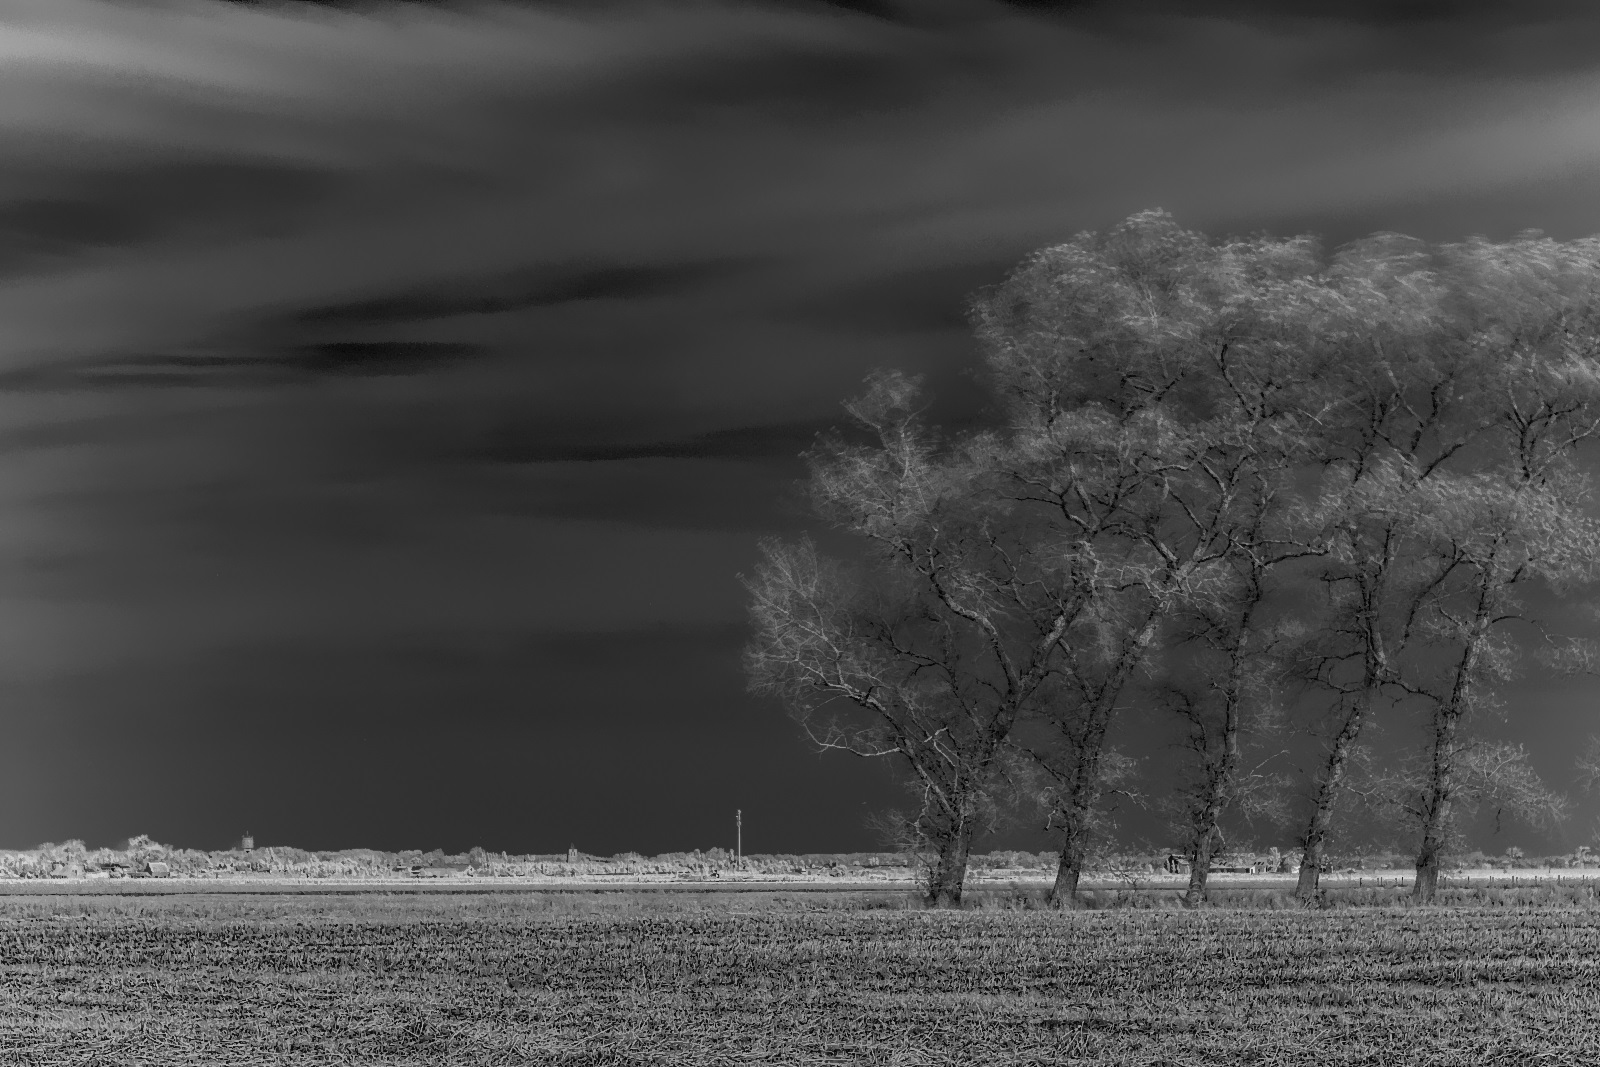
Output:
(532, 287)
(533, 444)
(337, 359)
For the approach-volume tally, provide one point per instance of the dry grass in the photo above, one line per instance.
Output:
(802, 978)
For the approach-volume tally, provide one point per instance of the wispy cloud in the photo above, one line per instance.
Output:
(183, 171)
(375, 239)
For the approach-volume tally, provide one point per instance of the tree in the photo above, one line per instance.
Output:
(1589, 777)
(1473, 371)
(1483, 776)
(1405, 410)
(1226, 695)
(937, 639)
(142, 849)
(1374, 587)
(1589, 765)
(1162, 392)
(1515, 516)
(73, 853)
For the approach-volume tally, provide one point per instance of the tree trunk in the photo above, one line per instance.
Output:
(1199, 871)
(949, 873)
(1080, 802)
(1075, 818)
(1426, 885)
(1436, 814)
(1208, 823)
(1064, 893)
(1306, 885)
(1441, 769)
(1314, 843)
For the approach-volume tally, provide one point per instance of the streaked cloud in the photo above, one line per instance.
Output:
(188, 170)
(340, 323)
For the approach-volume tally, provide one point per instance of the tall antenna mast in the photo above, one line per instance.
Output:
(738, 833)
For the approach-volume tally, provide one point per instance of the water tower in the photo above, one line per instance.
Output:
(247, 842)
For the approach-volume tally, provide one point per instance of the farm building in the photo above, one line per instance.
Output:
(1177, 864)
(440, 870)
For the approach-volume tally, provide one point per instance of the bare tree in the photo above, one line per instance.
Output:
(1589, 765)
(937, 638)
(1485, 776)
(1406, 408)
(1163, 391)
(1375, 586)
(1472, 367)
(1519, 515)
(1502, 533)
(1226, 694)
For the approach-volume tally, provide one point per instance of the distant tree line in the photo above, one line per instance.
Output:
(1236, 489)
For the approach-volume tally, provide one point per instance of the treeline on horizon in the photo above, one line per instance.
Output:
(74, 859)
(137, 853)
(140, 851)
(1245, 497)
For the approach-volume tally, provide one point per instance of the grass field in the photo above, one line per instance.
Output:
(778, 978)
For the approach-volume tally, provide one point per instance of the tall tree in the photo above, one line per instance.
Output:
(1162, 392)
(1483, 776)
(1375, 586)
(1472, 372)
(1404, 411)
(1226, 691)
(1519, 516)
(936, 638)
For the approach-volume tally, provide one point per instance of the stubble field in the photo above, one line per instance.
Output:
(776, 978)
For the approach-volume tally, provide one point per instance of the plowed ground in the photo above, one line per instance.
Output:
(736, 980)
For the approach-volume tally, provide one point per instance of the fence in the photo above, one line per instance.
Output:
(1589, 877)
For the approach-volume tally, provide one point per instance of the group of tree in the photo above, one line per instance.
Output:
(1228, 486)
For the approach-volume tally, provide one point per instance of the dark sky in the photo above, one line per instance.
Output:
(390, 393)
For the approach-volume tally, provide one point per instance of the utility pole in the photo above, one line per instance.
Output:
(738, 833)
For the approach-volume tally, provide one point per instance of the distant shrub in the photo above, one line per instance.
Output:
(30, 864)
(1006, 861)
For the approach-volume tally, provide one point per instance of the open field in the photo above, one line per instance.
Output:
(579, 978)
